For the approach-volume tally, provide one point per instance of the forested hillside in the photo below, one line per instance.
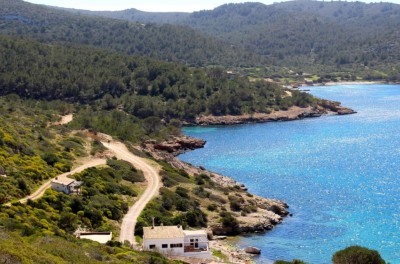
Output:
(311, 36)
(165, 42)
(139, 86)
(309, 31)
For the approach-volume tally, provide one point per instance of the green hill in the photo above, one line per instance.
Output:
(165, 42)
(307, 32)
(315, 36)
(139, 86)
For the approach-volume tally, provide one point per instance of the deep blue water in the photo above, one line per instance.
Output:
(339, 174)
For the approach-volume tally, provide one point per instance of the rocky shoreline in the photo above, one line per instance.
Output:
(293, 113)
(270, 211)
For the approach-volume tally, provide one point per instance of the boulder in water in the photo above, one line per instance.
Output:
(253, 250)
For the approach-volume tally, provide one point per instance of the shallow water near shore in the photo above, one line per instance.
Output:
(340, 175)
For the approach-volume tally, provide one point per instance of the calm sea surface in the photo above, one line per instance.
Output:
(340, 175)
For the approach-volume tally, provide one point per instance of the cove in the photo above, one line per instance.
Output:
(340, 175)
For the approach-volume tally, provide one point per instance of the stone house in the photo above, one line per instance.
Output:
(66, 185)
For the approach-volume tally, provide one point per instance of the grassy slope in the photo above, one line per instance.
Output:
(31, 152)
(53, 249)
(40, 231)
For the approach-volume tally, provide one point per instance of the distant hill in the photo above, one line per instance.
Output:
(307, 35)
(136, 15)
(161, 41)
(309, 31)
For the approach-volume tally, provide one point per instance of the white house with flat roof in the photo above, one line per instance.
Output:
(174, 241)
(66, 185)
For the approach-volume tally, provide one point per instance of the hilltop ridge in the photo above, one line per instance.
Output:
(178, 43)
(305, 35)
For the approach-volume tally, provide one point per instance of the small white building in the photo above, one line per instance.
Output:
(66, 185)
(101, 237)
(174, 241)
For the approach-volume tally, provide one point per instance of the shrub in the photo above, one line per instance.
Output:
(235, 206)
(50, 158)
(212, 207)
(23, 186)
(97, 146)
(196, 218)
(182, 205)
(201, 192)
(182, 192)
(357, 255)
(168, 182)
(295, 261)
(171, 178)
(217, 198)
(200, 181)
(128, 172)
(229, 221)
(249, 209)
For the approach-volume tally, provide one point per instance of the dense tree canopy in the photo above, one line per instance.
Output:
(141, 87)
(166, 42)
(304, 35)
(309, 35)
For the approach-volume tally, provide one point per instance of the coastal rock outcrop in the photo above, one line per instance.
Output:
(270, 213)
(179, 145)
(293, 113)
(335, 107)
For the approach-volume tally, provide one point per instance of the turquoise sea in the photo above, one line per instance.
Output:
(340, 175)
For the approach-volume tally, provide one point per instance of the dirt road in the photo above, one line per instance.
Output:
(63, 121)
(150, 173)
(42, 189)
(153, 180)
(66, 119)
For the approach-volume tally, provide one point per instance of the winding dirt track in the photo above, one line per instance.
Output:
(150, 173)
(66, 119)
(130, 219)
(153, 180)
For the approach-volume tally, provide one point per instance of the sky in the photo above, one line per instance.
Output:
(152, 5)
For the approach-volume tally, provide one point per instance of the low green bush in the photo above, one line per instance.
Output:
(357, 255)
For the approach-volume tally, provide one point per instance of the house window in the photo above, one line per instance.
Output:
(164, 245)
(176, 245)
(194, 243)
(152, 246)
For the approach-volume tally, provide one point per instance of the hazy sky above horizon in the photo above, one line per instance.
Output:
(150, 5)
